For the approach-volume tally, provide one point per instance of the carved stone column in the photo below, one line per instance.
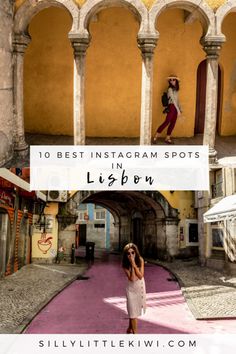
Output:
(20, 44)
(80, 46)
(212, 49)
(147, 46)
(6, 82)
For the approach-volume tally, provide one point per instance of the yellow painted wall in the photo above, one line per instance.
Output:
(48, 74)
(52, 211)
(113, 73)
(174, 55)
(113, 76)
(183, 201)
(228, 65)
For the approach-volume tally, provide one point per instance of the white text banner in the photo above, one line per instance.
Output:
(119, 167)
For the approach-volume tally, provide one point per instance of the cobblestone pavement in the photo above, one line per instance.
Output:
(209, 293)
(25, 292)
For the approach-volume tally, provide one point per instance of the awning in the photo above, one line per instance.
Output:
(19, 182)
(225, 209)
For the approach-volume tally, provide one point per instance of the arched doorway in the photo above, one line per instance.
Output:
(201, 98)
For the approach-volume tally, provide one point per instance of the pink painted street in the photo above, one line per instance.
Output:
(98, 305)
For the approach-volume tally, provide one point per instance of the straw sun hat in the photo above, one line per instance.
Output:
(173, 77)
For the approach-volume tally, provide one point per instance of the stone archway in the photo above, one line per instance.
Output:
(21, 40)
(91, 7)
(221, 13)
(211, 44)
(196, 9)
(225, 27)
(81, 41)
(29, 9)
(147, 213)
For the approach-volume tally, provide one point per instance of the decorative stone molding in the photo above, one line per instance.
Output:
(30, 8)
(201, 8)
(221, 13)
(20, 43)
(147, 44)
(80, 44)
(91, 7)
(212, 46)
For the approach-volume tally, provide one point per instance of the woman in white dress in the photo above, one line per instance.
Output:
(133, 265)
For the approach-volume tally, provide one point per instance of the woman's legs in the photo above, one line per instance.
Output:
(162, 126)
(169, 121)
(172, 124)
(129, 329)
(134, 325)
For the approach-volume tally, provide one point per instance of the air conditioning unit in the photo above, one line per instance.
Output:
(57, 196)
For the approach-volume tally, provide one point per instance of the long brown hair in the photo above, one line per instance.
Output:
(176, 87)
(125, 260)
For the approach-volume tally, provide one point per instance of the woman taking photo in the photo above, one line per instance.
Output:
(173, 109)
(133, 265)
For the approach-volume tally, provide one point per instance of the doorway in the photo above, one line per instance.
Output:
(82, 234)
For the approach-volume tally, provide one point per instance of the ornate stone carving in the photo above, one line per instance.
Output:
(147, 45)
(79, 44)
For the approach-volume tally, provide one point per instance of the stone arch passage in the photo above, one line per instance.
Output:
(180, 26)
(157, 236)
(88, 10)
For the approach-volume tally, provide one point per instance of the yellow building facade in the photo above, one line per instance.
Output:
(113, 72)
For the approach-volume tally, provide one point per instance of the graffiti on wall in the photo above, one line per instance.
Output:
(45, 243)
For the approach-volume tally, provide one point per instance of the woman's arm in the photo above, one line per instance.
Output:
(139, 272)
(130, 273)
(135, 272)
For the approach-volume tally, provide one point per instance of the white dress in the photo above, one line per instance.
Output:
(136, 298)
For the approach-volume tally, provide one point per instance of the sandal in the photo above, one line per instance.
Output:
(129, 330)
(168, 141)
(154, 140)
